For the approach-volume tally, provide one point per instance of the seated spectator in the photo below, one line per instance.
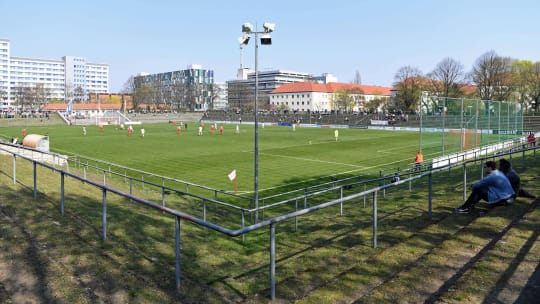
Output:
(495, 188)
(531, 139)
(395, 179)
(506, 167)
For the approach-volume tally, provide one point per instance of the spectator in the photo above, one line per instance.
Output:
(495, 188)
(506, 167)
(531, 139)
(418, 160)
(395, 179)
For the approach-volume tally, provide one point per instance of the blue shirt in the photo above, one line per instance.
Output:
(497, 185)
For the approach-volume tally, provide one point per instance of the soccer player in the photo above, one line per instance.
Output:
(84, 131)
(336, 134)
(200, 130)
(221, 130)
(142, 132)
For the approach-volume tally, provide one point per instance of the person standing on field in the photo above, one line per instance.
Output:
(336, 134)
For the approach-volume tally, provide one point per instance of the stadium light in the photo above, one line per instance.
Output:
(248, 30)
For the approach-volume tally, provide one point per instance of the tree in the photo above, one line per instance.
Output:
(521, 72)
(533, 84)
(342, 100)
(129, 86)
(41, 94)
(357, 79)
(143, 95)
(78, 94)
(493, 77)
(409, 84)
(446, 79)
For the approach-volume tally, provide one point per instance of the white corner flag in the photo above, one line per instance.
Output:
(232, 175)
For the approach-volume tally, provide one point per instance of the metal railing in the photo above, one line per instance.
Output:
(270, 222)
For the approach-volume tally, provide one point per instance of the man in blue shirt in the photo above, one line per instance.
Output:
(495, 188)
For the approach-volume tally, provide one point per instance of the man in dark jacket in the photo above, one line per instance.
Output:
(506, 167)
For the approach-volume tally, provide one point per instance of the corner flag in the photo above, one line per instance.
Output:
(232, 177)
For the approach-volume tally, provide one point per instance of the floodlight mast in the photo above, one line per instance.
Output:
(247, 30)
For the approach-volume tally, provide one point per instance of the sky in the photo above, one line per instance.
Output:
(373, 37)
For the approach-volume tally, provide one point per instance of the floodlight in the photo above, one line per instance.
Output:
(244, 39)
(269, 27)
(247, 28)
(266, 39)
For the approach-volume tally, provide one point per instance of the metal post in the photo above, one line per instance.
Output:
(273, 261)
(430, 195)
(256, 152)
(177, 251)
(35, 179)
(204, 210)
(410, 181)
(375, 219)
(243, 225)
(62, 192)
(14, 169)
(84, 172)
(296, 217)
(104, 215)
(365, 187)
(341, 202)
(464, 181)
(163, 194)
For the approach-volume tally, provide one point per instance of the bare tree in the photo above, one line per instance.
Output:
(409, 83)
(68, 91)
(447, 78)
(129, 86)
(41, 94)
(357, 79)
(78, 94)
(492, 75)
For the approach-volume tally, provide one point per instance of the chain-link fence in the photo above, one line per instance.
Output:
(450, 125)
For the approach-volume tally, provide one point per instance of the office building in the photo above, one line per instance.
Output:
(191, 89)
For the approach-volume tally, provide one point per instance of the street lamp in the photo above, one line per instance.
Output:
(248, 30)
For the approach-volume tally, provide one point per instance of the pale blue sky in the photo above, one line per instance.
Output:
(374, 37)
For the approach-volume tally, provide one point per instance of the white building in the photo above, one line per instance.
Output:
(309, 96)
(68, 78)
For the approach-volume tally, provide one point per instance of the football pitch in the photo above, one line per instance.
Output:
(286, 157)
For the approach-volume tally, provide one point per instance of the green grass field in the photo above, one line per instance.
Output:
(286, 158)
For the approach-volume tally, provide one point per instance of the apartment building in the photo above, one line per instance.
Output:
(71, 78)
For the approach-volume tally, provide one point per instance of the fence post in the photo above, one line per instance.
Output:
(296, 217)
(163, 193)
(62, 192)
(430, 195)
(375, 219)
(341, 201)
(104, 215)
(177, 251)
(365, 187)
(14, 168)
(243, 225)
(272, 261)
(35, 179)
(522, 160)
(464, 181)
